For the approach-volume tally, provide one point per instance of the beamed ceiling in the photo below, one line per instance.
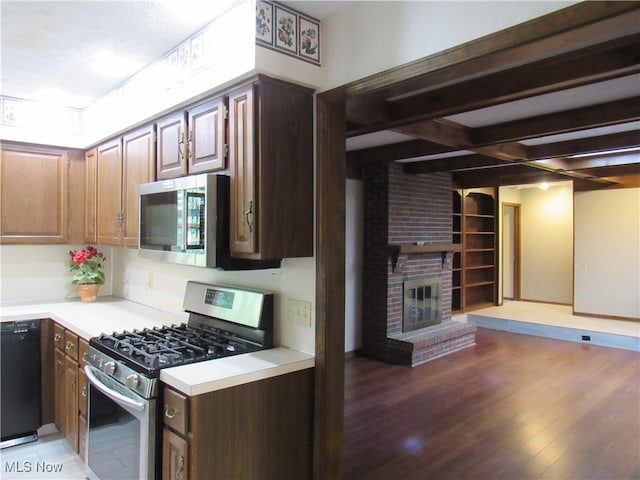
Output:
(538, 102)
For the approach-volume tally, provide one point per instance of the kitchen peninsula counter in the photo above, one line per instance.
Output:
(112, 314)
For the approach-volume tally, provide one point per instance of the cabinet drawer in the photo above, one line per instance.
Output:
(71, 344)
(83, 352)
(175, 411)
(58, 336)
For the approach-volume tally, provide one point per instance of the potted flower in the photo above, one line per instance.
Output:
(87, 266)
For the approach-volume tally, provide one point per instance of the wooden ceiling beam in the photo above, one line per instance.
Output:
(452, 163)
(597, 63)
(609, 171)
(611, 113)
(439, 131)
(511, 174)
(628, 159)
(585, 145)
(570, 28)
(455, 135)
(396, 151)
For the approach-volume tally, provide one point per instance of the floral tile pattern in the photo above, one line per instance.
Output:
(287, 31)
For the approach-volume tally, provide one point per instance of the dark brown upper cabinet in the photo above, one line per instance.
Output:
(271, 169)
(192, 141)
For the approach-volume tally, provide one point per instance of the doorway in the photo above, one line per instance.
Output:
(511, 251)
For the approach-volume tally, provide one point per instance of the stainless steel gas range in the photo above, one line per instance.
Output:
(123, 416)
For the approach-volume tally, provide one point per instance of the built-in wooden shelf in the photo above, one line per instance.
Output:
(412, 248)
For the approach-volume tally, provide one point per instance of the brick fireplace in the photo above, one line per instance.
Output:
(403, 209)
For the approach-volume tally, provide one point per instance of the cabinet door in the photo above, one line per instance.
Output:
(206, 139)
(82, 437)
(82, 392)
(138, 164)
(243, 206)
(175, 455)
(90, 230)
(58, 389)
(71, 402)
(34, 197)
(171, 148)
(109, 185)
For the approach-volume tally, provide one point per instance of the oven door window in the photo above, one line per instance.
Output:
(120, 439)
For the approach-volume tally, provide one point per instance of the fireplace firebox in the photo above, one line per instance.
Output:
(422, 303)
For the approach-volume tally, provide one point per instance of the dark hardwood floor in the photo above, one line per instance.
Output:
(512, 407)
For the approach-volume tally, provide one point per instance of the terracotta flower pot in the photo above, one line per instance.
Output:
(88, 292)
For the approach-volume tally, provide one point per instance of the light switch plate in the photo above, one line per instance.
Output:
(299, 312)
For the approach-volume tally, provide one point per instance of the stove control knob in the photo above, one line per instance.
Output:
(109, 368)
(132, 380)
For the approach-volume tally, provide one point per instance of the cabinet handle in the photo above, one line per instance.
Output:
(180, 467)
(170, 411)
(68, 346)
(57, 337)
(180, 155)
(84, 357)
(247, 215)
(119, 219)
(188, 146)
(84, 391)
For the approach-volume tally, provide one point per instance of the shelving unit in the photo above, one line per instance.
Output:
(474, 270)
(456, 237)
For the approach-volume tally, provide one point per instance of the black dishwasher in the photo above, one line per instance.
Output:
(20, 382)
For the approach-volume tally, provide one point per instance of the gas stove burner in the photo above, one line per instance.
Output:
(223, 321)
(151, 349)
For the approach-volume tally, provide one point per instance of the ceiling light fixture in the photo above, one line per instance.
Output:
(543, 186)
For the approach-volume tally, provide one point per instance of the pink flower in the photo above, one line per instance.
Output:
(79, 257)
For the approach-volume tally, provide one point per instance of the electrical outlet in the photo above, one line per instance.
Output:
(149, 283)
(299, 312)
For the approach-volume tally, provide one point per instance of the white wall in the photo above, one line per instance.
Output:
(367, 37)
(37, 273)
(547, 244)
(161, 285)
(607, 253)
(40, 272)
(353, 265)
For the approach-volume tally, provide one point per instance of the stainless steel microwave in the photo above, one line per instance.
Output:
(180, 219)
(186, 220)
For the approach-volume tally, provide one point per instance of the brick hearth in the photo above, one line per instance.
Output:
(401, 208)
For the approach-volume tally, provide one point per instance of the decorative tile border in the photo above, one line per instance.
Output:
(22, 113)
(287, 31)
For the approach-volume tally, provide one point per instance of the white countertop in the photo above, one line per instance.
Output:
(107, 315)
(112, 314)
(204, 377)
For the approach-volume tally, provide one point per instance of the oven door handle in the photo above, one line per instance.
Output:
(115, 396)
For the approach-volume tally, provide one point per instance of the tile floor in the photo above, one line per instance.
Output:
(48, 458)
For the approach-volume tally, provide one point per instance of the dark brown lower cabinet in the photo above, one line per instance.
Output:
(70, 396)
(68, 393)
(175, 456)
(261, 429)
